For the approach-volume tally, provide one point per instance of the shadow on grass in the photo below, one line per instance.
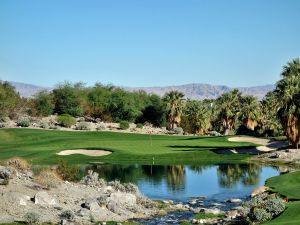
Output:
(215, 149)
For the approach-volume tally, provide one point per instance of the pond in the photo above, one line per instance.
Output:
(183, 182)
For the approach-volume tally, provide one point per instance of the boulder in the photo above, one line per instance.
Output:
(5, 174)
(214, 211)
(123, 198)
(259, 191)
(234, 200)
(17, 198)
(43, 198)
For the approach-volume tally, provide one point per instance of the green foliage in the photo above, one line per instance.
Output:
(140, 126)
(124, 125)
(68, 172)
(67, 100)
(262, 208)
(197, 116)
(286, 92)
(66, 120)
(23, 122)
(9, 99)
(82, 126)
(203, 215)
(174, 106)
(228, 109)
(43, 103)
(32, 218)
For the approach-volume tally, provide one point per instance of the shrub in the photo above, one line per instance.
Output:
(178, 130)
(32, 218)
(124, 125)
(53, 127)
(47, 178)
(43, 124)
(23, 123)
(139, 125)
(82, 126)
(66, 120)
(18, 164)
(262, 208)
(102, 200)
(67, 215)
(67, 172)
(101, 127)
(261, 215)
(130, 188)
(117, 185)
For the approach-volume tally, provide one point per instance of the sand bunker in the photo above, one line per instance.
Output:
(258, 141)
(84, 152)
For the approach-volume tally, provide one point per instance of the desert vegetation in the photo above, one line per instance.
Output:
(231, 113)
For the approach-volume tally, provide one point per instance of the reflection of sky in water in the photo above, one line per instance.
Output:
(204, 183)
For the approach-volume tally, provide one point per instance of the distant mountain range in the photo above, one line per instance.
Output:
(191, 91)
(203, 91)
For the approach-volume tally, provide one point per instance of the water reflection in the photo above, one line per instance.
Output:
(181, 182)
(230, 175)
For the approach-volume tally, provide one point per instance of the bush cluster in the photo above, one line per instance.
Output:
(23, 123)
(82, 126)
(124, 125)
(66, 120)
(262, 209)
(67, 172)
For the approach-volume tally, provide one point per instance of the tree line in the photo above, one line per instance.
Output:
(277, 114)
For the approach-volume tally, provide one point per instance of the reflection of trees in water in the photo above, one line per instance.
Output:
(199, 168)
(173, 175)
(176, 177)
(124, 173)
(231, 174)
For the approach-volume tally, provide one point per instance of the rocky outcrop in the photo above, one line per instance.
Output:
(5, 174)
(80, 203)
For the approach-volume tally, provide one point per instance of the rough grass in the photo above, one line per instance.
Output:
(287, 185)
(40, 147)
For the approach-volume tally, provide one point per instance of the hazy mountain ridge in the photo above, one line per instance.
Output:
(28, 90)
(191, 91)
(202, 91)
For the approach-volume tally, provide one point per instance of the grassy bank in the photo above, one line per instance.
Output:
(41, 146)
(287, 185)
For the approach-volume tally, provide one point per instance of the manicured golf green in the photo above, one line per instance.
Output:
(41, 146)
(287, 185)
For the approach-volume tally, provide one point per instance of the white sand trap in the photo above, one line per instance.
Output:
(258, 141)
(84, 152)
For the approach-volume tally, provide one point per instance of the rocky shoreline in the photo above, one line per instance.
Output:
(25, 199)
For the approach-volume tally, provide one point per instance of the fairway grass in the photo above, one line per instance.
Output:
(287, 185)
(40, 147)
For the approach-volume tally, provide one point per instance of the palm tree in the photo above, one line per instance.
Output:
(268, 120)
(229, 105)
(199, 116)
(250, 111)
(174, 105)
(287, 92)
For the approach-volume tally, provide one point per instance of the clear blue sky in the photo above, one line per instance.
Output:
(148, 43)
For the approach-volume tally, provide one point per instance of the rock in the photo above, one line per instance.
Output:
(123, 198)
(43, 198)
(259, 191)
(16, 197)
(234, 200)
(193, 202)
(232, 214)
(91, 204)
(5, 174)
(214, 211)
(195, 210)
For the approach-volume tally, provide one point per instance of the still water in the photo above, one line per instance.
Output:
(182, 182)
